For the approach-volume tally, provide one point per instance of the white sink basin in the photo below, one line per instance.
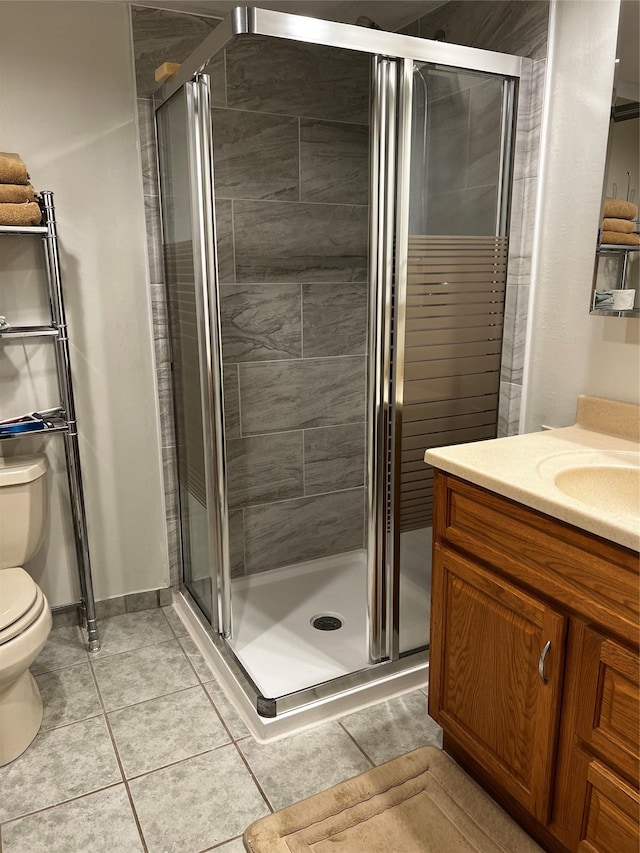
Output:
(606, 481)
(609, 488)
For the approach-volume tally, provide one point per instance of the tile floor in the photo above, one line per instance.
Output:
(140, 750)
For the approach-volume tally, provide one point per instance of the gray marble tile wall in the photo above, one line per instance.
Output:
(291, 176)
(163, 36)
(464, 153)
(523, 207)
(291, 137)
(162, 349)
(507, 26)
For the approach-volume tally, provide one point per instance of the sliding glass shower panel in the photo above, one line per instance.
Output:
(457, 256)
(290, 125)
(173, 151)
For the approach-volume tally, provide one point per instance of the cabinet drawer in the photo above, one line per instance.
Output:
(609, 710)
(611, 814)
(592, 578)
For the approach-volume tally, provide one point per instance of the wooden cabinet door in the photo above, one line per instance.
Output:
(609, 708)
(486, 686)
(611, 814)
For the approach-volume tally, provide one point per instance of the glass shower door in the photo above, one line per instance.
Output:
(291, 177)
(450, 332)
(336, 265)
(189, 258)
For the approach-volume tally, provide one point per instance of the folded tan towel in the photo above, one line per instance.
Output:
(12, 169)
(620, 239)
(20, 214)
(16, 193)
(624, 226)
(615, 208)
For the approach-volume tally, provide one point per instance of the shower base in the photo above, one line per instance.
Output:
(282, 652)
(274, 637)
(272, 614)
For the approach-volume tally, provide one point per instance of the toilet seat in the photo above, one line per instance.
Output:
(21, 602)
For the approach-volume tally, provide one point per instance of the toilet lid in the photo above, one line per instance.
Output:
(18, 594)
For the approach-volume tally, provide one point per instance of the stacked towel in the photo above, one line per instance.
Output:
(624, 226)
(616, 208)
(618, 225)
(619, 239)
(12, 169)
(16, 194)
(18, 204)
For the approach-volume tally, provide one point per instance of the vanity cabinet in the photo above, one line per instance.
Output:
(490, 647)
(534, 666)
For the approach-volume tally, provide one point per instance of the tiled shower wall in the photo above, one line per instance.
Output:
(291, 349)
(464, 115)
(518, 27)
(291, 178)
(291, 139)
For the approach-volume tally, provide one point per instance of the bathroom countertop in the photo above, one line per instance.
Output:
(523, 468)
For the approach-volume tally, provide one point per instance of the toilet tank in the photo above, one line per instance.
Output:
(23, 508)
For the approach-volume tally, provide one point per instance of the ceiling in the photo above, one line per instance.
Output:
(388, 14)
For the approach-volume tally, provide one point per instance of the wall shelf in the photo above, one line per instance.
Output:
(616, 247)
(23, 230)
(61, 419)
(29, 332)
(46, 431)
(624, 255)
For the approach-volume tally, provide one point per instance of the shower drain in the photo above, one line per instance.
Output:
(326, 622)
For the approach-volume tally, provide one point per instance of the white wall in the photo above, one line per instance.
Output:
(67, 106)
(570, 352)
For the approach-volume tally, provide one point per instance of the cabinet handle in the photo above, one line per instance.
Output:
(541, 662)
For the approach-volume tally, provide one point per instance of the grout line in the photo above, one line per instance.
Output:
(302, 320)
(366, 755)
(219, 714)
(244, 546)
(253, 776)
(261, 283)
(305, 497)
(233, 242)
(299, 117)
(299, 160)
(134, 649)
(173, 631)
(358, 355)
(224, 68)
(216, 846)
(59, 668)
(61, 803)
(237, 366)
(316, 203)
(309, 429)
(179, 761)
(120, 765)
(190, 662)
(71, 723)
(143, 701)
(304, 477)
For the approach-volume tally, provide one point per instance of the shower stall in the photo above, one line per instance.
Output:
(335, 206)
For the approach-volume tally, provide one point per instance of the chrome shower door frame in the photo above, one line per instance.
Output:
(393, 58)
(198, 95)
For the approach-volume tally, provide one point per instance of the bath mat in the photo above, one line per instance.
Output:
(421, 802)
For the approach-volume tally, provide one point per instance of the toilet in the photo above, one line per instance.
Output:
(25, 616)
